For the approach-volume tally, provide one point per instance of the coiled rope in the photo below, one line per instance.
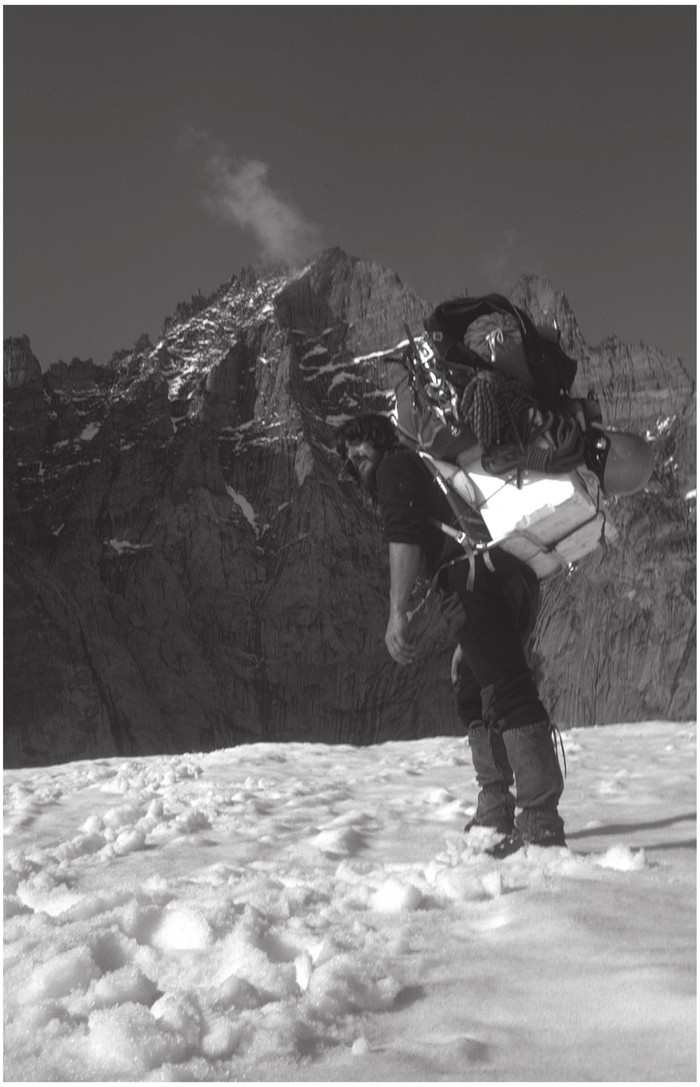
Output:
(498, 409)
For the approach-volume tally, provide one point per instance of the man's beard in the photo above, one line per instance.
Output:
(368, 477)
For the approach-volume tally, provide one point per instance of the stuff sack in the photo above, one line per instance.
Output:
(491, 332)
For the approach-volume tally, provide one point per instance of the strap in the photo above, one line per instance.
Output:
(461, 534)
(459, 506)
(552, 549)
(464, 541)
(556, 736)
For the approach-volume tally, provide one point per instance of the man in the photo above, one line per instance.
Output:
(509, 732)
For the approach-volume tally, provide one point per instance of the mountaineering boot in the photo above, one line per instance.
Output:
(496, 804)
(508, 845)
(538, 783)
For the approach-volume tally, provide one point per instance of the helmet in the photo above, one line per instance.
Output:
(628, 463)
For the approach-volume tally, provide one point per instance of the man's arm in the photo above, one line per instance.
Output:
(404, 567)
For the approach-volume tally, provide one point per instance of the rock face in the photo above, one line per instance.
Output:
(187, 568)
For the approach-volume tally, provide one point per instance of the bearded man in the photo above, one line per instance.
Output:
(496, 597)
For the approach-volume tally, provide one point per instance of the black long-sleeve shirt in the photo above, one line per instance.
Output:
(409, 498)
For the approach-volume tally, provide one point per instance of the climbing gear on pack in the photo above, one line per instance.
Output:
(486, 413)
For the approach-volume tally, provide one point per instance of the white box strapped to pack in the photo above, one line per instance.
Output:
(547, 521)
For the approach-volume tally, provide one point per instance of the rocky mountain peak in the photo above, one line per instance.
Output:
(550, 308)
(366, 300)
(20, 366)
(187, 566)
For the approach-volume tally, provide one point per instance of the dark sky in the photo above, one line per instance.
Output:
(154, 151)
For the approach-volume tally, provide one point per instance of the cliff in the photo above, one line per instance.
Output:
(187, 568)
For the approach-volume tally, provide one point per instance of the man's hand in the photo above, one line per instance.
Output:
(404, 564)
(401, 648)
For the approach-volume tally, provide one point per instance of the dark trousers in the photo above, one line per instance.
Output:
(507, 725)
(497, 616)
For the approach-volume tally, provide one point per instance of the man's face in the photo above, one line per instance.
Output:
(365, 459)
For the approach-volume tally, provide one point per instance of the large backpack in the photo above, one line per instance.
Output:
(485, 401)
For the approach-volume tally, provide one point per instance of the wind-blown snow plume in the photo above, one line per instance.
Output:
(510, 258)
(240, 193)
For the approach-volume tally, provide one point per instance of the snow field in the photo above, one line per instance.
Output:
(307, 912)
